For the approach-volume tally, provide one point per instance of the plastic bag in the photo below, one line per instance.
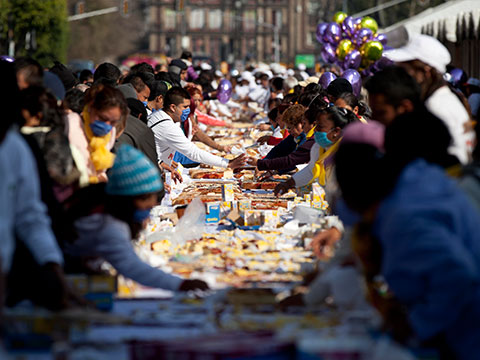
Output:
(192, 224)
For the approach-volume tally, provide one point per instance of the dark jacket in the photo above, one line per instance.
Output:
(285, 147)
(140, 136)
(297, 157)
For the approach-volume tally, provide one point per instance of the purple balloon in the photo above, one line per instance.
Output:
(223, 97)
(362, 36)
(333, 33)
(7, 58)
(224, 91)
(382, 63)
(352, 60)
(348, 26)
(355, 79)
(321, 31)
(382, 38)
(458, 75)
(328, 53)
(357, 21)
(367, 72)
(326, 78)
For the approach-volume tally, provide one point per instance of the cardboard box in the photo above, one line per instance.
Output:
(272, 218)
(227, 192)
(228, 174)
(254, 218)
(213, 213)
(98, 289)
(244, 205)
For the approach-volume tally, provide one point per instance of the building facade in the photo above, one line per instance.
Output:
(234, 29)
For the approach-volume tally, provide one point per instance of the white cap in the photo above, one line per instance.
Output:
(218, 73)
(302, 67)
(247, 76)
(290, 72)
(205, 66)
(425, 48)
(310, 80)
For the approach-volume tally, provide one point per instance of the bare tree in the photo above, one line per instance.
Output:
(107, 37)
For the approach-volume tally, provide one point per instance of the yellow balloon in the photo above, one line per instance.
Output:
(369, 23)
(373, 50)
(344, 47)
(339, 17)
(364, 64)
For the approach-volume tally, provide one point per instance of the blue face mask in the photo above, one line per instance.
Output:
(100, 128)
(139, 216)
(322, 139)
(185, 114)
(145, 103)
(272, 127)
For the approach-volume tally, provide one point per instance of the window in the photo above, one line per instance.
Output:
(198, 46)
(197, 19)
(170, 19)
(215, 19)
(249, 20)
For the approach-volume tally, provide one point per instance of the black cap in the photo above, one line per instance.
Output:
(338, 87)
(179, 63)
(137, 108)
(66, 76)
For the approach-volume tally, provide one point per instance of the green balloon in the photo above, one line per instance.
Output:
(369, 23)
(373, 50)
(339, 17)
(344, 47)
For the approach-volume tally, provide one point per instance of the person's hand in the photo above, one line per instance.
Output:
(263, 139)
(195, 129)
(266, 175)
(323, 243)
(174, 164)
(69, 298)
(176, 177)
(264, 127)
(168, 188)
(237, 162)
(293, 300)
(227, 148)
(189, 285)
(252, 161)
(283, 187)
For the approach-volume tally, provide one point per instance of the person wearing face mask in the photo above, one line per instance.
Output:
(425, 59)
(94, 134)
(193, 131)
(106, 217)
(328, 135)
(157, 94)
(301, 125)
(169, 137)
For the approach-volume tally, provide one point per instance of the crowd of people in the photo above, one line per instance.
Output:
(83, 159)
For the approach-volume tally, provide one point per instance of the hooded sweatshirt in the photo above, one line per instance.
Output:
(109, 238)
(428, 231)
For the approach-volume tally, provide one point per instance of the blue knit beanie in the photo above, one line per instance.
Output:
(133, 174)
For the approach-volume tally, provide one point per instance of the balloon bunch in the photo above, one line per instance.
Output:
(351, 75)
(224, 91)
(352, 43)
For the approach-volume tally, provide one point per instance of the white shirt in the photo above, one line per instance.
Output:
(447, 107)
(22, 212)
(304, 176)
(170, 138)
(260, 95)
